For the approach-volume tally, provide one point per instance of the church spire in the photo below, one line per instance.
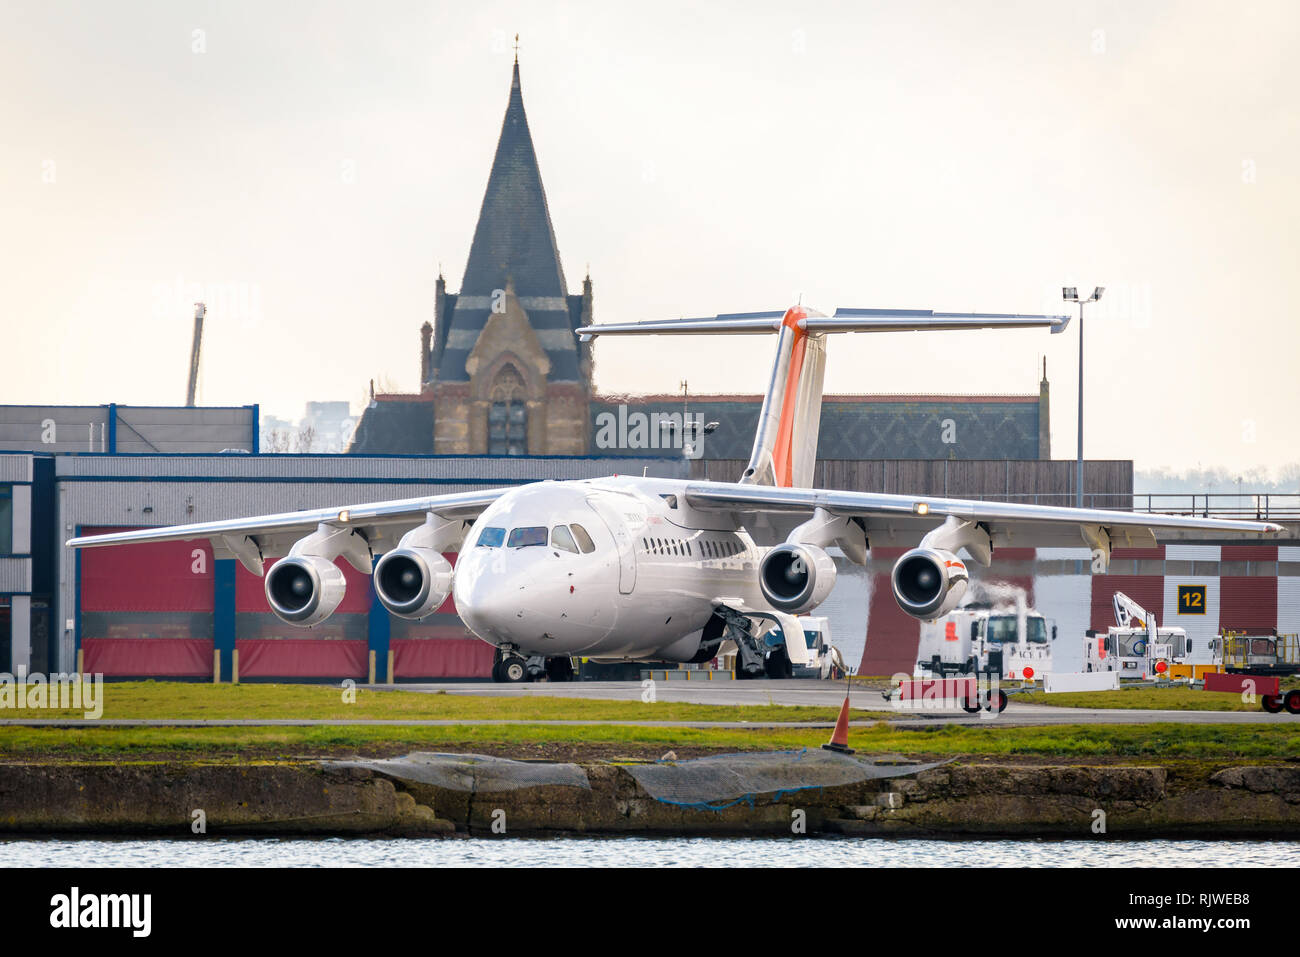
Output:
(514, 238)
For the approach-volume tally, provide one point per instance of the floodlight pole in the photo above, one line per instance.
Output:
(1071, 294)
(1078, 475)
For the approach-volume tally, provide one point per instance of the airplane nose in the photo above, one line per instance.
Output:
(492, 597)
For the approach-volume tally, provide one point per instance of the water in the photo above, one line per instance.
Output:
(643, 852)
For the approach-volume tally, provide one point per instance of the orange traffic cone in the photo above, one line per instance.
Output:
(840, 738)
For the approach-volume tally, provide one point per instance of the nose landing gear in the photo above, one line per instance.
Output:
(510, 668)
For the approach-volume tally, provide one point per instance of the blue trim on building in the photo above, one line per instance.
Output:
(76, 606)
(256, 448)
(357, 458)
(380, 632)
(299, 480)
(223, 614)
(112, 428)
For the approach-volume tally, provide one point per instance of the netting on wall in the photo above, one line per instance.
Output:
(474, 773)
(721, 781)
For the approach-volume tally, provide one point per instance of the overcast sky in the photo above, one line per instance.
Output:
(309, 165)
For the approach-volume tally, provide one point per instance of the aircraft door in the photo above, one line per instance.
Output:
(611, 509)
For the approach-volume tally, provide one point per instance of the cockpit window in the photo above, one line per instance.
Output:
(560, 538)
(491, 537)
(523, 537)
(584, 540)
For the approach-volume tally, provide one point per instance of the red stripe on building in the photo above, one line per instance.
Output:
(302, 658)
(1248, 603)
(1249, 553)
(442, 658)
(1147, 590)
(148, 657)
(892, 634)
(155, 576)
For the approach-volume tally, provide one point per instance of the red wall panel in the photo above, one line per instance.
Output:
(1248, 603)
(892, 634)
(1249, 553)
(161, 657)
(1155, 553)
(158, 576)
(1147, 590)
(442, 658)
(302, 658)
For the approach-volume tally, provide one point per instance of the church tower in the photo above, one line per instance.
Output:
(506, 372)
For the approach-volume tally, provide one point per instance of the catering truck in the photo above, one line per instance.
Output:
(1136, 646)
(1009, 641)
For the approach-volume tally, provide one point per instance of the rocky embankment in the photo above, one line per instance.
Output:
(525, 798)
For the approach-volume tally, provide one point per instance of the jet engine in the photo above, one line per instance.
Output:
(305, 586)
(796, 578)
(304, 589)
(929, 582)
(412, 581)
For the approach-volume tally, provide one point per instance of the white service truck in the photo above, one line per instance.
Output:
(1009, 641)
(823, 659)
(1136, 646)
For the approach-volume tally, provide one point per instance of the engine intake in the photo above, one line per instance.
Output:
(796, 578)
(412, 581)
(928, 582)
(304, 589)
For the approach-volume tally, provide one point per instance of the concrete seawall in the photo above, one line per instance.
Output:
(953, 800)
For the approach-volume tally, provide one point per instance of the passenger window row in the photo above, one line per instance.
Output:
(722, 549)
(667, 546)
(708, 549)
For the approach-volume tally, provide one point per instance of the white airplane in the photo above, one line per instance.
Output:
(636, 568)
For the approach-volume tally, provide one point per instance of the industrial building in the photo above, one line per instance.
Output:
(171, 610)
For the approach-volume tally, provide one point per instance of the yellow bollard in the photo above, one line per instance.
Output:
(81, 661)
(234, 667)
(216, 666)
(392, 679)
(372, 667)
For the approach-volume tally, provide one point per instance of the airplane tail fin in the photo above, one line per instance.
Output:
(785, 443)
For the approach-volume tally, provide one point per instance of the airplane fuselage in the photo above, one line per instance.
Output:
(608, 568)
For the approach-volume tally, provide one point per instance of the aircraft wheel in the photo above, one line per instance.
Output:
(1271, 703)
(514, 670)
(1002, 701)
(970, 707)
(1292, 702)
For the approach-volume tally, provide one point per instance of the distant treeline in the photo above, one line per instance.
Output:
(1155, 481)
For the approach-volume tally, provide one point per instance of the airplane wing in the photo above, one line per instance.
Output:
(903, 520)
(381, 524)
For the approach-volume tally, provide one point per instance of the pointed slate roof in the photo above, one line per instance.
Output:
(515, 241)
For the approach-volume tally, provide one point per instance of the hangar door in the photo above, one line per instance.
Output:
(145, 610)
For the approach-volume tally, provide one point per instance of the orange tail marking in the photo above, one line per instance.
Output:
(783, 454)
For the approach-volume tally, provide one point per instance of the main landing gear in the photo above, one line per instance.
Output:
(510, 668)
